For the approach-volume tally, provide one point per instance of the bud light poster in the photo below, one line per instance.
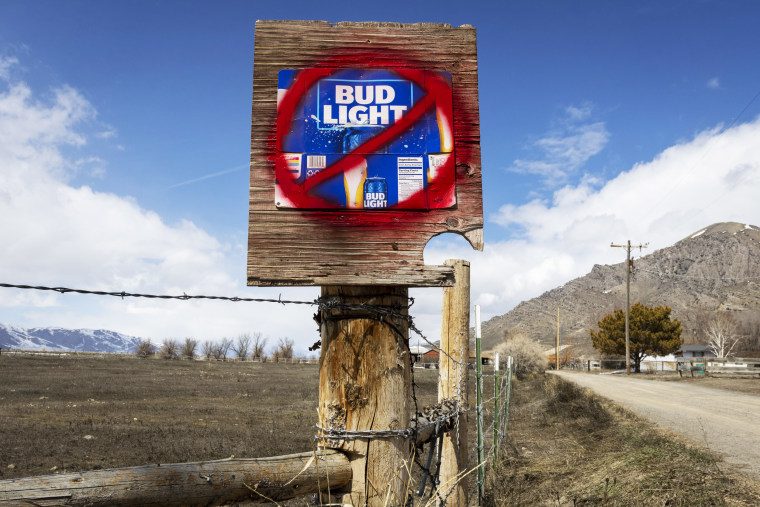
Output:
(364, 139)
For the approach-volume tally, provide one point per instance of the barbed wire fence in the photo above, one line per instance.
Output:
(495, 407)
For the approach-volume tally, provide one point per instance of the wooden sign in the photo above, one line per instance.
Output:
(365, 143)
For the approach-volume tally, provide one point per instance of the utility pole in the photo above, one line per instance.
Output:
(556, 356)
(628, 269)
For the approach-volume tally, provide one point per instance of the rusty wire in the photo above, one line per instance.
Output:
(323, 303)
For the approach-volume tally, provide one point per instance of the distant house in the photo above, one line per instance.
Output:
(695, 351)
(485, 357)
(430, 357)
(417, 351)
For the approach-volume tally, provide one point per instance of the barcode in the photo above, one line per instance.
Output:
(316, 162)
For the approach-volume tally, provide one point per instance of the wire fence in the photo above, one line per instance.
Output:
(494, 408)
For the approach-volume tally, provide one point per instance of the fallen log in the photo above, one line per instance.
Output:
(204, 483)
(208, 482)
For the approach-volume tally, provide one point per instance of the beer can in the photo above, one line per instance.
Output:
(375, 193)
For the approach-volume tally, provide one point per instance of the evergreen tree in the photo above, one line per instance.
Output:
(652, 333)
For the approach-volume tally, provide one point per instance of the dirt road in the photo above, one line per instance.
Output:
(725, 422)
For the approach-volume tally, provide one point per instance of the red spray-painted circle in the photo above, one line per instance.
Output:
(437, 92)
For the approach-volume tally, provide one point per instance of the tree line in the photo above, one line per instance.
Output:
(253, 346)
(653, 333)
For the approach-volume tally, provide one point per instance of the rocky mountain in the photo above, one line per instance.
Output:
(716, 268)
(54, 338)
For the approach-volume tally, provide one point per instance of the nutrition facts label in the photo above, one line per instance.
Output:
(411, 174)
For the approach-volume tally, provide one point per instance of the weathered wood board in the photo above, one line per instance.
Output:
(345, 247)
(222, 482)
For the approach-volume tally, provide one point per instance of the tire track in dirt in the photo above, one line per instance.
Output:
(723, 421)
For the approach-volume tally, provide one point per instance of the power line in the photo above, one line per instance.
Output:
(693, 277)
(628, 269)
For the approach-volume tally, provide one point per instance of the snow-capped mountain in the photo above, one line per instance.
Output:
(54, 338)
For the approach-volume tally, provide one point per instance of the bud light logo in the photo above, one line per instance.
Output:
(375, 193)
(368, 139)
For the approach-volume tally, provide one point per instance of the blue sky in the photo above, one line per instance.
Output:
(125, 134)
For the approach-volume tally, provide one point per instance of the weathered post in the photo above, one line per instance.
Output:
(365, 386)
(452, 384)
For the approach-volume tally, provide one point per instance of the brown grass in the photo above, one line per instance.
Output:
(564, 448)
(569, 447)
(66, 414)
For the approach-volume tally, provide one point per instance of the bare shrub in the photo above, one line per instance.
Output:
(258, 346)
(145, 349)
(217, 351)
(284, 350)
(169, 349)
(224, 347)
(242, 346)
(528, 356)
(188, 348)
(207, 349)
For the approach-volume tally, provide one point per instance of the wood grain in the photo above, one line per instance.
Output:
(452, 381)
(365, 384)
(300, 247)
(206, 483)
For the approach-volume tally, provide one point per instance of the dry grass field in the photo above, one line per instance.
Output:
(565, 447)
(66, 414)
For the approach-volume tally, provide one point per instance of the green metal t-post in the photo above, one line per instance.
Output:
(479, 406)
(496, 395)
(510, 367)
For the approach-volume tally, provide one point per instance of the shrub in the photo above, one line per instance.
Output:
(145, 349)
(169, 349)
(258, 347)
(284, 350)
(528, 356)
(242, 346)
(207, 349)
(188, 349)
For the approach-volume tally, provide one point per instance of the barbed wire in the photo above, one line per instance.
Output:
(183, 297)
(341, 434)
(323, 303)
(379, 312)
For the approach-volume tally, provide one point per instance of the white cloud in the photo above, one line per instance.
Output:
(578, 113)
(712, 178)
(6, 62)
(57, 234)
(209, 176)
(76, 236)
(107, 133)
(714, 83)
(561, 152)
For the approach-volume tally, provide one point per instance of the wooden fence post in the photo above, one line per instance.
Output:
(365, 384)
(455, 344)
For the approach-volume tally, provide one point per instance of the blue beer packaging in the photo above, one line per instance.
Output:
(336, 117)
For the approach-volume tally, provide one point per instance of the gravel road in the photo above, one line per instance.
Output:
(724, 421)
